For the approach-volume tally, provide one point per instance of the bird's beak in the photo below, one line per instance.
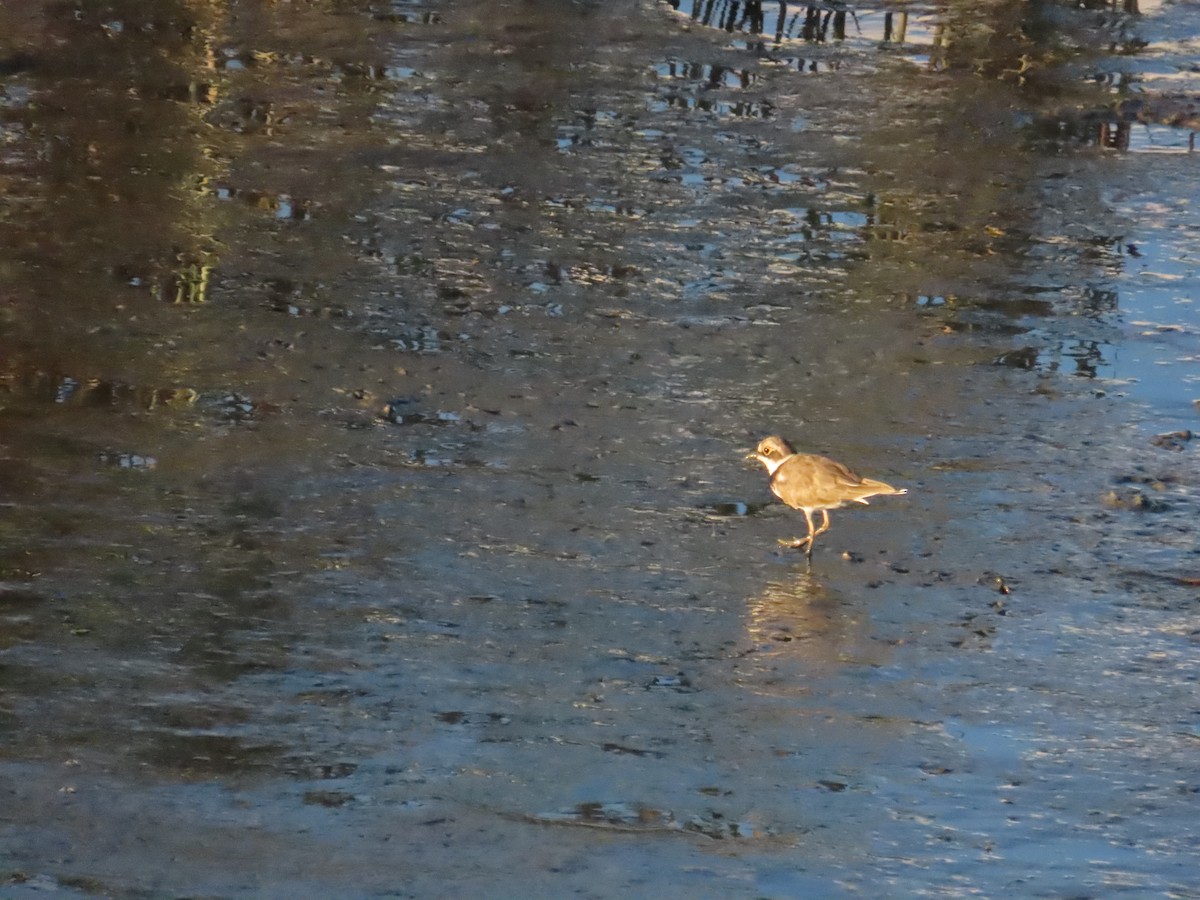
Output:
(750, 456)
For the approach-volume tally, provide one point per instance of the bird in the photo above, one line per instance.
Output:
(811, 483)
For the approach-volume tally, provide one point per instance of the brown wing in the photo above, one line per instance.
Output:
(818, 482)
(811, 481)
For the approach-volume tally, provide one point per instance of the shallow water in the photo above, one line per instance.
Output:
(374, 384)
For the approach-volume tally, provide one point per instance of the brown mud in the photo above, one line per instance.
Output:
(375, 379)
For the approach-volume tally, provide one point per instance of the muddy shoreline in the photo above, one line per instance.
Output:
(375, 382)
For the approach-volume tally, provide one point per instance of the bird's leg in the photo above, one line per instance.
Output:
(824, 523)
(806, 542)
(812, 535)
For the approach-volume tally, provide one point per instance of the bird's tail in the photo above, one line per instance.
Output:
(872, 488)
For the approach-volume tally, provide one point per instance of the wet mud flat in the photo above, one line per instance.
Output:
(375, 521)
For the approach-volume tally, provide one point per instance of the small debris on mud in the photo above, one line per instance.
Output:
(640, 817)
(996, 581)
(631, 751)
(678, 682)
(1172, 440)
(1133, 499)
(1155, 482)
(731, 509)
(404, 411)
(1181, 579)
(329, 799)
(133, 461)
(615, 816)
(1024, 358)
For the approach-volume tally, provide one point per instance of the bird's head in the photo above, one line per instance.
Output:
(771, 452)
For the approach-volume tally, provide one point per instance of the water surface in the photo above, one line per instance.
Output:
(374, 384)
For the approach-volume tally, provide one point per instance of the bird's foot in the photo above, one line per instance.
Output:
(796, 543)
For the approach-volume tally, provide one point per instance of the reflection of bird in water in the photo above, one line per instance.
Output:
(813, 483)
(799, 628)
(792, 613)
